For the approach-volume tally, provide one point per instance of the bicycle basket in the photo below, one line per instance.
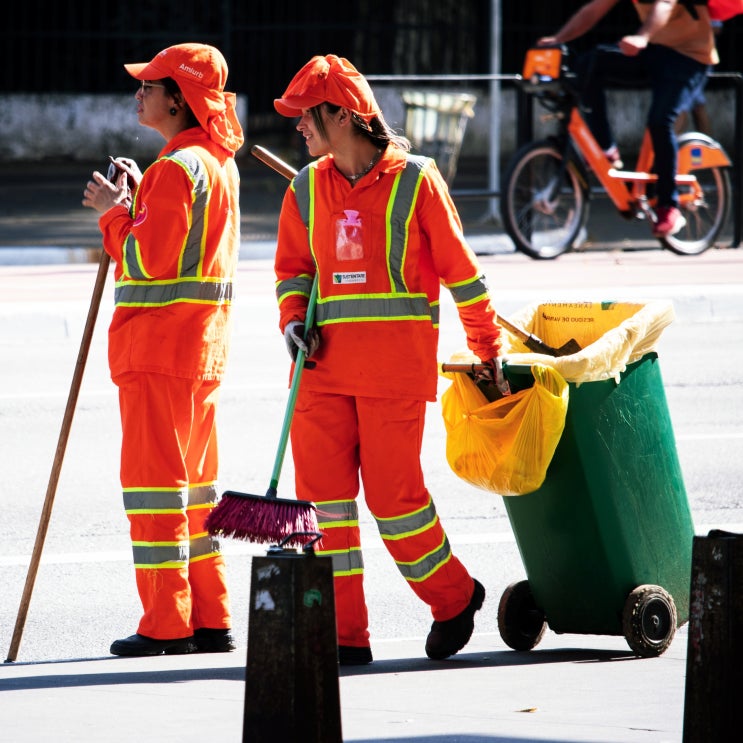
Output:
(542, 68)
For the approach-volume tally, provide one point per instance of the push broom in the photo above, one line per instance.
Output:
(268, 518)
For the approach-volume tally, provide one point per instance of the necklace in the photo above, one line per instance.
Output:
(354, 179)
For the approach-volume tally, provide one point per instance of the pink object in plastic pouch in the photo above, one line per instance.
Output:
(349, 245)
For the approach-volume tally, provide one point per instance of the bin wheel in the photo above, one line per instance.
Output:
(649, 620)
(520, 621)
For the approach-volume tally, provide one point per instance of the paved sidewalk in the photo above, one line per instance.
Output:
(570, 688)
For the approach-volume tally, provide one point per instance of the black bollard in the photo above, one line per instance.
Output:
(291, 678)
(714, 656)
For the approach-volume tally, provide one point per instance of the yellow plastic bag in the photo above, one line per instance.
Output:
(504, 446)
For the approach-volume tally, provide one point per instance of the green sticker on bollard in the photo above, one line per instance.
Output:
(312, 597)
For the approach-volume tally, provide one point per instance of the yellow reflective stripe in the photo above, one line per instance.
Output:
(421, 578)
(345, 561)
(374, 308)
(389, 243)
(205, 556)
(411, 532)
(160, 554)
(337, 511)
(398, 527)
(154, 500)
(296, 286)
(205, 290)
(198, 506)
(202, 496)
(203, 545)
(192, 256)
(400, 209)
(469, 292)
(140, 511)
(337, 524)
(132, 259)
(418, 570)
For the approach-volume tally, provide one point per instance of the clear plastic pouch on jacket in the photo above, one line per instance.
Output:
(348, 237)
(506, 445)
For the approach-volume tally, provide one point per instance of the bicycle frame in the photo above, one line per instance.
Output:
(627, 188)
(545, 200)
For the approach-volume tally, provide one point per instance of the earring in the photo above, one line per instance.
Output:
(173, 111)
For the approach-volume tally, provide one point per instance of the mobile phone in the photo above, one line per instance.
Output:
(113, 172)
(113, 169)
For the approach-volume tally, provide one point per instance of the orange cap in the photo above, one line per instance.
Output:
(201, 72)
(328, 79)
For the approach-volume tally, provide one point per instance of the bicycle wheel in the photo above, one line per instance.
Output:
(544, 205)
(705, 215)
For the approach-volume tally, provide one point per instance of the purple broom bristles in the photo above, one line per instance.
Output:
(254, 518)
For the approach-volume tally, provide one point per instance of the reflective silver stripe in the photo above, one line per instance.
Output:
(385, 307)
(135, 289)
(301, 186)
(297, 285)
(421, 569)
(203, 545)
(159, 555)
(337, 513)
(399, 212)
(132, 264)
(468, 292)
(158, 293)
(346, 562)
(200, 495)
(192, 256)
(152, 501)
(412, 523)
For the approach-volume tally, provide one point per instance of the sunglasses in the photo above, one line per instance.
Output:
(146, 86)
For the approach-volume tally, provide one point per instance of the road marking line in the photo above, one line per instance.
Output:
(241, 548)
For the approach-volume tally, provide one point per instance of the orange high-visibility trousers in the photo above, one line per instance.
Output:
(169, 468)
(336, 438)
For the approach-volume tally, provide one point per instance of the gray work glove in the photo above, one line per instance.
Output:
(295, 340)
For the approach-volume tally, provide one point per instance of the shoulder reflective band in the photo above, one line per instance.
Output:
(135, 289)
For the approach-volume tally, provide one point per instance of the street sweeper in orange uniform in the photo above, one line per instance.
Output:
(380, 229)
(175, 243)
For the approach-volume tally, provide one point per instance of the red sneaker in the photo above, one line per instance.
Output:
(668, 222)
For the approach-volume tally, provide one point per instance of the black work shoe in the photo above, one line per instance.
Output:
(449, 637)
(213, 640)
(140, 645)
(353, 656)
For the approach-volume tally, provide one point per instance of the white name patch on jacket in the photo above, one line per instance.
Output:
(349, 277)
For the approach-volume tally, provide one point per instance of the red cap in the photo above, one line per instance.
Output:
(328, 79)
(201, 72)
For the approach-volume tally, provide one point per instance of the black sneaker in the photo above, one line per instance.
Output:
(213, 640)
(140, 645)
(449, 637)
(353, 656)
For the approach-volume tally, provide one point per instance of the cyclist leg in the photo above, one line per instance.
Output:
(675, 79)
(594, 70)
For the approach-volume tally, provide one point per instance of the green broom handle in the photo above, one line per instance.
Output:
(293, 390)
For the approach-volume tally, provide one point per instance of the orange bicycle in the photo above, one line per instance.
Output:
(545, 195)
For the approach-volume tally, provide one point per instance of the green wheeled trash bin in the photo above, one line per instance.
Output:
(606, 540)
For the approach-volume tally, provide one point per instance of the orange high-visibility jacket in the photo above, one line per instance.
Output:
(176, 255)
(382, 250)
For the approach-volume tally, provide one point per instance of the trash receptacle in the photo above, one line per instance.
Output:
(606, 540)
(435, 123)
